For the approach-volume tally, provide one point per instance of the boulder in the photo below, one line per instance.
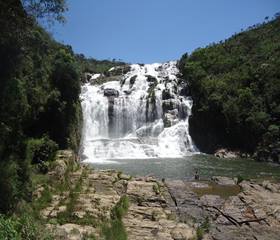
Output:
(223, 180)
(63, 159)
(225, 153)
(183, 232)
(184, 90)
(132, 81)
(110, 92)
(166, 94)
(123, 176)
(127, 92)
(151, 79)
(86, 77)
(169, 104)
(60, 168)
(271, 187)
(169, 119)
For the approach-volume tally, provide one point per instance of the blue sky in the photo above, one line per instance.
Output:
(146, 31)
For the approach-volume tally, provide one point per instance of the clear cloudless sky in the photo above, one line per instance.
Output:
(146, 31)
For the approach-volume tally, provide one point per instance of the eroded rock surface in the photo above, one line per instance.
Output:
(169, 210)
(150, 214)
(251, 214)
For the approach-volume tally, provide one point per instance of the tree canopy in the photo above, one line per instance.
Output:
(50, 9)
(235, 85)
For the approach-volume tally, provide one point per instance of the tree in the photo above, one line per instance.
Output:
(26, 60)
(236, 91)
(50, 9)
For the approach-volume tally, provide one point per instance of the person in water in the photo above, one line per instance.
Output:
(196, 175)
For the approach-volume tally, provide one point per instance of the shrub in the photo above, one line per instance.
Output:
(120, 209)
(115, 230)
(21, 228)
(8, 229)
(9, 186)
(40, 151)
(28, 228)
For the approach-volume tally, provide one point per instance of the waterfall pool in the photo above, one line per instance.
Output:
(184, 168)
(138, 122)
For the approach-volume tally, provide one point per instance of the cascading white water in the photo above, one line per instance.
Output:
(143, 115)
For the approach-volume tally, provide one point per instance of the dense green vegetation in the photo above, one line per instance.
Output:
(23, 228)
(39, 93)
(235, 85)
(40, 81)
(26, 222)
(91, 65)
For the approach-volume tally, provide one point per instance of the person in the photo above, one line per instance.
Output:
(196, 175)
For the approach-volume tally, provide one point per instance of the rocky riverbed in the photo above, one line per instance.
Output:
(160, 209)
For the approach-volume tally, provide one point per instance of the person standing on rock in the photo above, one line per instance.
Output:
(196, 175)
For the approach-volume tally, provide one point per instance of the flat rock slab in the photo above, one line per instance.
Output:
(251, 214)
(150, 214)
(170, 210)
(224, 180)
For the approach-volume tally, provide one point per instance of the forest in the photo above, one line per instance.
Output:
(40, 109)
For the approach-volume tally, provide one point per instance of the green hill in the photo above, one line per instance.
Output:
(235, 85)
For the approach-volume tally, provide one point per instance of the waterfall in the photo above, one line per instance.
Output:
(143, 114)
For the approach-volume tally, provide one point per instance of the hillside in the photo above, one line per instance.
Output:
(235, 85)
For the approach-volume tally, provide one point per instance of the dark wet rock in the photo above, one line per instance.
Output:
(184, 90)
(225, 153)
(183, 111)
(127, 92)
(151, 79)
(132, 81)
(167, 121)
(169, 104)
(166, 94)
(170, 119)
(110, 92)
(126, 69)
(86, 77)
